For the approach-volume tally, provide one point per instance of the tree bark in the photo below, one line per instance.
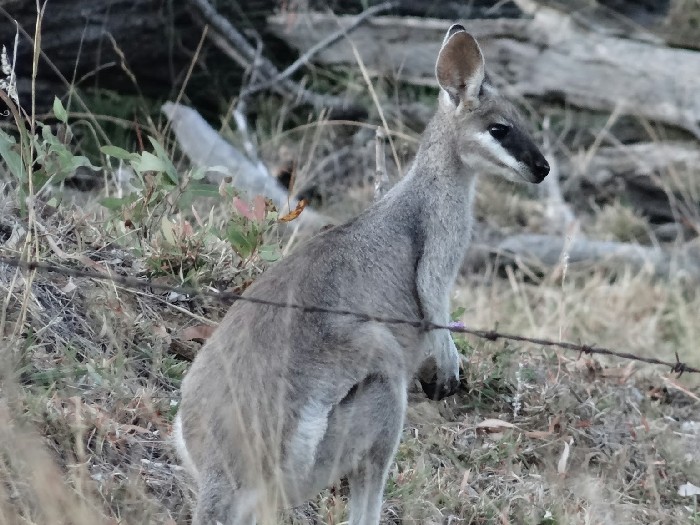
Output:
(132, 47)
(659, 179)
(94, 41)
(548, 251)
(548, 57)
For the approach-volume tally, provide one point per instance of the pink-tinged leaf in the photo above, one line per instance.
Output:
(259, 208)
(243, 208)
(187, 230)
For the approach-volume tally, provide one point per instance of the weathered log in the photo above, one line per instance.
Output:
(638, 19)
(621, 16)
(550, 251)
(643, 160)
(132, 47)
(653, 177)
(157, 38)
(548, 56)
(94, 41)
(77, 35)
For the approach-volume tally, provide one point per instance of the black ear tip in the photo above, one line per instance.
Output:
(455, 28)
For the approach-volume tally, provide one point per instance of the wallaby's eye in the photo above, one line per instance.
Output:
(499, 131)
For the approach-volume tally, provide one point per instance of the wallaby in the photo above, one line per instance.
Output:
(280, 403)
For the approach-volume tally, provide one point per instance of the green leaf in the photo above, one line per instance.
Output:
(59, 111)
(11, 157)
(148, 162)
(48, 136)
(113, 203)
(40, 177)
(459, 312)
(168, 166)
(239, 242)
(83, 162)
(166, 228)
(118, 153)
(201, 189)
(198, 174)
(269, 253)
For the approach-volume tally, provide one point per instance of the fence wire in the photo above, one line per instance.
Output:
(677, 366)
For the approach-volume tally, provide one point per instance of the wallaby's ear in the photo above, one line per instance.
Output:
(460, 66)
(454, 28)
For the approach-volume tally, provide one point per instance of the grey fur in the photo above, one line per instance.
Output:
(281, 403)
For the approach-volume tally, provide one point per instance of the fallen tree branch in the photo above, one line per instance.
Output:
(656, 178)
(644, 159)
(548, 56)
(546, 250)
(286, 87)
(331, 39)
(601, 18)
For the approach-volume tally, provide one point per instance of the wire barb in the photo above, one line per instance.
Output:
(677, 367)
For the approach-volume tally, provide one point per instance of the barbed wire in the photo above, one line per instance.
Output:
(677, 366)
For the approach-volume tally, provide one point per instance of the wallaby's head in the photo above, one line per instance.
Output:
(489, 133)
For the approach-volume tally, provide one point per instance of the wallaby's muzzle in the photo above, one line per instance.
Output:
(535, 161)
(540, 169)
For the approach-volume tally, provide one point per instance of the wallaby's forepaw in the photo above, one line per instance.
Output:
(439, 374)
(439, 390)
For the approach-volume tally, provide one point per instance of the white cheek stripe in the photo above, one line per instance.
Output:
(492, 145)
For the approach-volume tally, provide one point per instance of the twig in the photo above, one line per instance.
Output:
(381, 181)
(677, 367)
(331, 39)
(248, 145)
(242, 47)
(375, 99)
(558, 212)
(225, 46)
(185, 82)
(254, 69)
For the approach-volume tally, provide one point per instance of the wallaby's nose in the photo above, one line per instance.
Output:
(541, 169)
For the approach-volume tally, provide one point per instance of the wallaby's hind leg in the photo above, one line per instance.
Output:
(367, 488)
(386, 411)
(363, 434)
(219, 503)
